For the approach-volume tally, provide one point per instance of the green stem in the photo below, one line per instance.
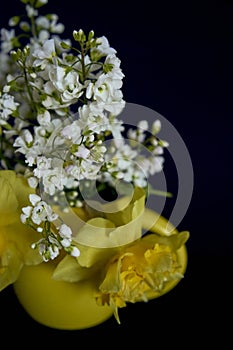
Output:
(159, 193)
(29, 91)
(83, 53)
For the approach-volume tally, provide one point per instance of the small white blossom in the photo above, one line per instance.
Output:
(34, 199)
(44, 119)
(156, 127)
(59, 108)
(26, 214)
(6, 39)
(143, 124)
(53, 251)
(65, 231)
(72, 132)
(7, 107)
(44, 53)
(75, 252)
(104, 47)
(82, 152)
(42, 212)
(31, 12)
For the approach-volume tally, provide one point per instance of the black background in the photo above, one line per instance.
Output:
(177, 60)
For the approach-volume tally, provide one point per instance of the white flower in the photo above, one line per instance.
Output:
(34, 199)
(50, 24)
(59, 107)
(104, 47)
(143, 124)
(33, 182)
(53, 251)
(7, 107)
(75, 252)
(43, 163)
(114, 62)
(31, 12)
(53, 180)
(67, 84)
(44, 118)
(44, 53)
(65, 231)
(6, 39)
(82, 152)
(43, 212)
(156, 127)
(24, 142)
(26, 214)
(72, 132)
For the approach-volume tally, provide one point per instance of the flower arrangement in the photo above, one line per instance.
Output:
(62, 142)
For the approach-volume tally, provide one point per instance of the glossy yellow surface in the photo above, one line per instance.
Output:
(57, 304)
(72, 306)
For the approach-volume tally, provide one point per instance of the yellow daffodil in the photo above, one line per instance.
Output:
(142, 271)
(100, 237)
(117, 265)
(15, 237)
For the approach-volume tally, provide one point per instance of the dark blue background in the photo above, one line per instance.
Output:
(177, 60)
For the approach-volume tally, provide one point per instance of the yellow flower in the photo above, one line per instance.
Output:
(15, 237)
(142, 271)
(125, 266)
(99, 238)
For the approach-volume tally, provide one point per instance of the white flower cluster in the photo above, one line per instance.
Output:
(40, 216)
(60, 107)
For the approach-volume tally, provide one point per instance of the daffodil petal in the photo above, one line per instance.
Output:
(154, 222)
(90, 256)
(174, 241)
(101, 232)
(14, 196)
(130, 208)
(23, 236)
(8, 203)
(11, 264)
(69, 270)
(111, 283)
(15, 237)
